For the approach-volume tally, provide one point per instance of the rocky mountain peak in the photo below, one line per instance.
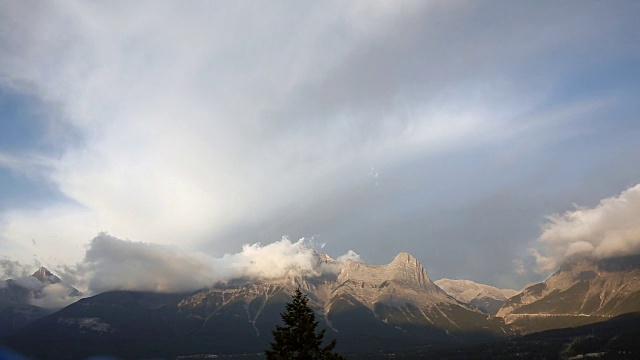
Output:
(408, 269)
(43, 274)
(406, 259)
(405, 272)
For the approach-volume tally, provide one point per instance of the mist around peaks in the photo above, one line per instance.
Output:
(111, 263)
(46, 293)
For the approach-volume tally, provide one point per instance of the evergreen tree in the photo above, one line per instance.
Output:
(298, 339)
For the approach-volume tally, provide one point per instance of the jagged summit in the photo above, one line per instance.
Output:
(43, 274)
(402, 278)
(404, 267)
(404, 257)
(407, 269)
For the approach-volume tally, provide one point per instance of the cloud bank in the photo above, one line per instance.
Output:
(610, 229)
(114, 264)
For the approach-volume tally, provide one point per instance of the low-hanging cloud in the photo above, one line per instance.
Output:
(607, 230)
(115, 264)
(12, 269)
(40, 293)
(111, 263)
(55, 296)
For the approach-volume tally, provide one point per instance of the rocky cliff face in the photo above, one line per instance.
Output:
(397, 293)
(403, 280)
(582, 291)
(402, 295)
(45, 276)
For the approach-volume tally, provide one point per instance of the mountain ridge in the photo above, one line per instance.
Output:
(583, 290)
(487, 298)
(366, 307)
(370, 309)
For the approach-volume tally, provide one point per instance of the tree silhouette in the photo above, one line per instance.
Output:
(298, 339)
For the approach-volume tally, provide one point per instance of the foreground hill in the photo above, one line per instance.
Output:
(370, 309)
(580, 292)
(616, 338)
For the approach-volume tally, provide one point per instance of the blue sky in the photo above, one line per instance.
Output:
(451, 130)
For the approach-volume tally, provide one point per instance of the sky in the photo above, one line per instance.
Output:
(182, 140)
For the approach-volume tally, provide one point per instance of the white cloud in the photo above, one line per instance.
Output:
(30, 283)
(607, 230)
(271, 261)
(54, 296)
(111, 264)
(350, 255)
(114, 264)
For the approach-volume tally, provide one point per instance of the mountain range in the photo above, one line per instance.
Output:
(371, 309)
